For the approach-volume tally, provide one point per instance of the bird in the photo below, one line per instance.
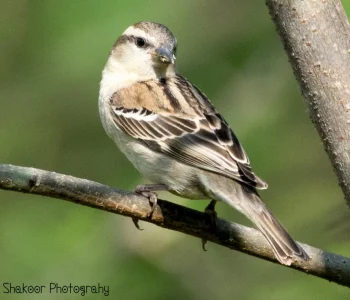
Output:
(174, 136)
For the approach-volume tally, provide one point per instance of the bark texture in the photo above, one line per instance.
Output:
(316, 37)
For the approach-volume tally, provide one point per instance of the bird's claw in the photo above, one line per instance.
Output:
(147, 190)
(153, 198)
(211, 218)
(136, 223)
(204, 241)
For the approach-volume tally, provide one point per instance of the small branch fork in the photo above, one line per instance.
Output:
(168, 215)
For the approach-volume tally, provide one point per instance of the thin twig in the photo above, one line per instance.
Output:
(168, 215)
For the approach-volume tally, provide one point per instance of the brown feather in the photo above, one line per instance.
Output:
(184, 121)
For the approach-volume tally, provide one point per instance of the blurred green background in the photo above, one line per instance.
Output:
(51, 57)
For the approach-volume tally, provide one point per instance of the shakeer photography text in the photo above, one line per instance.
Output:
(54, 288)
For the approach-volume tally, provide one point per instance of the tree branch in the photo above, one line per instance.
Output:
(168, 215)
(316, 37)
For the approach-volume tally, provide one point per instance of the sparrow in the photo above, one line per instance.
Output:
(174, 136)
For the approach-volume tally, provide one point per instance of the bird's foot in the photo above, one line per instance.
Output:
(148, 190)
(136, 223)
(211, 217)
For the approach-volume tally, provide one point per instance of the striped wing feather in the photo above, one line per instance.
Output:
(206, 143)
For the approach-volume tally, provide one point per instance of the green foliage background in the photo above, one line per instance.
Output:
(51, 57)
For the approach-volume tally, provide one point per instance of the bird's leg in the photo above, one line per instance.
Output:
(212, 216)
(148, 190)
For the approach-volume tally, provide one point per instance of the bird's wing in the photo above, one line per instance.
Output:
(205, 142)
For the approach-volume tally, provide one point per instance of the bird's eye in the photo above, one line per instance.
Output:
(175, 50)
(140, 42)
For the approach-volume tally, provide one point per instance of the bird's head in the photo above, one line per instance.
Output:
(145, 49)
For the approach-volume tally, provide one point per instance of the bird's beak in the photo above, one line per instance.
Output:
(165, 55)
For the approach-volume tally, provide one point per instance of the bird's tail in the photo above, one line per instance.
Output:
(284, 247)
